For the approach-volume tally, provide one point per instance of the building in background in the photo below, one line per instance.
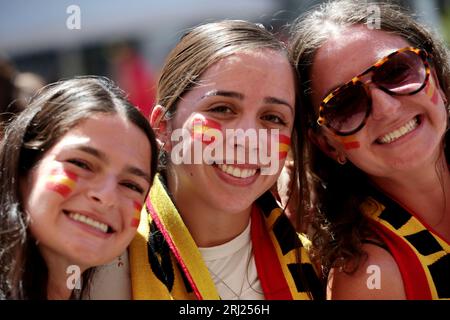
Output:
(128, 40)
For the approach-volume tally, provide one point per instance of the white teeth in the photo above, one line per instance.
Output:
(91, 222)
(237, 172)
(400, 132)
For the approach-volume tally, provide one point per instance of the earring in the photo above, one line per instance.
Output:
(341, 159)
(120, 263)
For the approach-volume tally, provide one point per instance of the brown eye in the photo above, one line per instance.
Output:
(80, 163)
(274, 119)
(133, 186)
(221, 109)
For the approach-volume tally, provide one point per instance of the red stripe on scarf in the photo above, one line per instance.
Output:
(413, 275)
(269, 270)
(173, 248)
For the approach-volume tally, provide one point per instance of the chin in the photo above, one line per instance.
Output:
(238, 204)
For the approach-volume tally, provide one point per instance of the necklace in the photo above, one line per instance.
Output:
(236, 292)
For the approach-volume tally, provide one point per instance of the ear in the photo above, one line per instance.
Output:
(160, 126)
(323, 143)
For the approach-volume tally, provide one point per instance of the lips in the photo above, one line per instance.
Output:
(400, 132)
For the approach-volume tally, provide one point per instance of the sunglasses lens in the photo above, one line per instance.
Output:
(347, 110)
(404, 73)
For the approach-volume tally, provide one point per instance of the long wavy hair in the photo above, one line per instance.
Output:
(330, 192)
(54, 111)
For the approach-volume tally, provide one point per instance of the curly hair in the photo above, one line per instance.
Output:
(332, 193)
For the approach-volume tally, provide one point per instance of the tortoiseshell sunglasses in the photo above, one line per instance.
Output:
(404, 72)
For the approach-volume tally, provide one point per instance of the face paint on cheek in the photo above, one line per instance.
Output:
(137, 207)
(205, 130)
(283, 146)
(432, 92)
(61, 181)
(348, 142)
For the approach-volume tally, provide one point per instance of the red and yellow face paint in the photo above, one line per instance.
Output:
(61, 181)
(206, 130)
(284, 145)
(137, 207)
(431, 91)
(349, 142)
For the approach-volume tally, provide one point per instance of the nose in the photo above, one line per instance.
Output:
(103, 191)
(244, 139)
(383, 104)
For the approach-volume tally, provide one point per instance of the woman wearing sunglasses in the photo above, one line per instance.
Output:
(375, 126)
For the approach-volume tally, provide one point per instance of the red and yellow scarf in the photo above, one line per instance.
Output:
(166, 263)
(423, 257)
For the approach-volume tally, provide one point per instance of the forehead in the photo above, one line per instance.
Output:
(253, 74)
(118, 138)
(242, 68)
(349, 52)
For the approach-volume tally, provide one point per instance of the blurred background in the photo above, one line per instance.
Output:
(42, 41)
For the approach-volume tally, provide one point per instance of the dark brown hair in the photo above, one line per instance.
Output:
(330, 192)
(54, 111)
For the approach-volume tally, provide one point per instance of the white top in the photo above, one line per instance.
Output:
(112, 281)
(232, 267)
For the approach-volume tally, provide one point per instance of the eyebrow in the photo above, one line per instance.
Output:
(129, 169)
(223, 93)
(240, 96)
(273, 100)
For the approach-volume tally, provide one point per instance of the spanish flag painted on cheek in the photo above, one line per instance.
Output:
(206, 130)
(61, 181)
(283, 146)
(136, 214)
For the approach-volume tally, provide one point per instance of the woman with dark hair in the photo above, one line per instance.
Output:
(375, 86)
(211, 228)
(76, 166)
(8, 94)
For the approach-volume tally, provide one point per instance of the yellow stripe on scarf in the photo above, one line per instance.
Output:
(144, 283)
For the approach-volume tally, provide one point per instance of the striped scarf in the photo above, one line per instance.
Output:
(422, 256)
(166, 263)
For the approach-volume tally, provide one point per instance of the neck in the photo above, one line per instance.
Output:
(59, 276)
(208, 225)
(424, 192)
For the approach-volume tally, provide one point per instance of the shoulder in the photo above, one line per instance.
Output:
(377, 277)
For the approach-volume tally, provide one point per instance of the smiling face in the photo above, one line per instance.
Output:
(83, 195)
(243, 91)
(402, 133)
